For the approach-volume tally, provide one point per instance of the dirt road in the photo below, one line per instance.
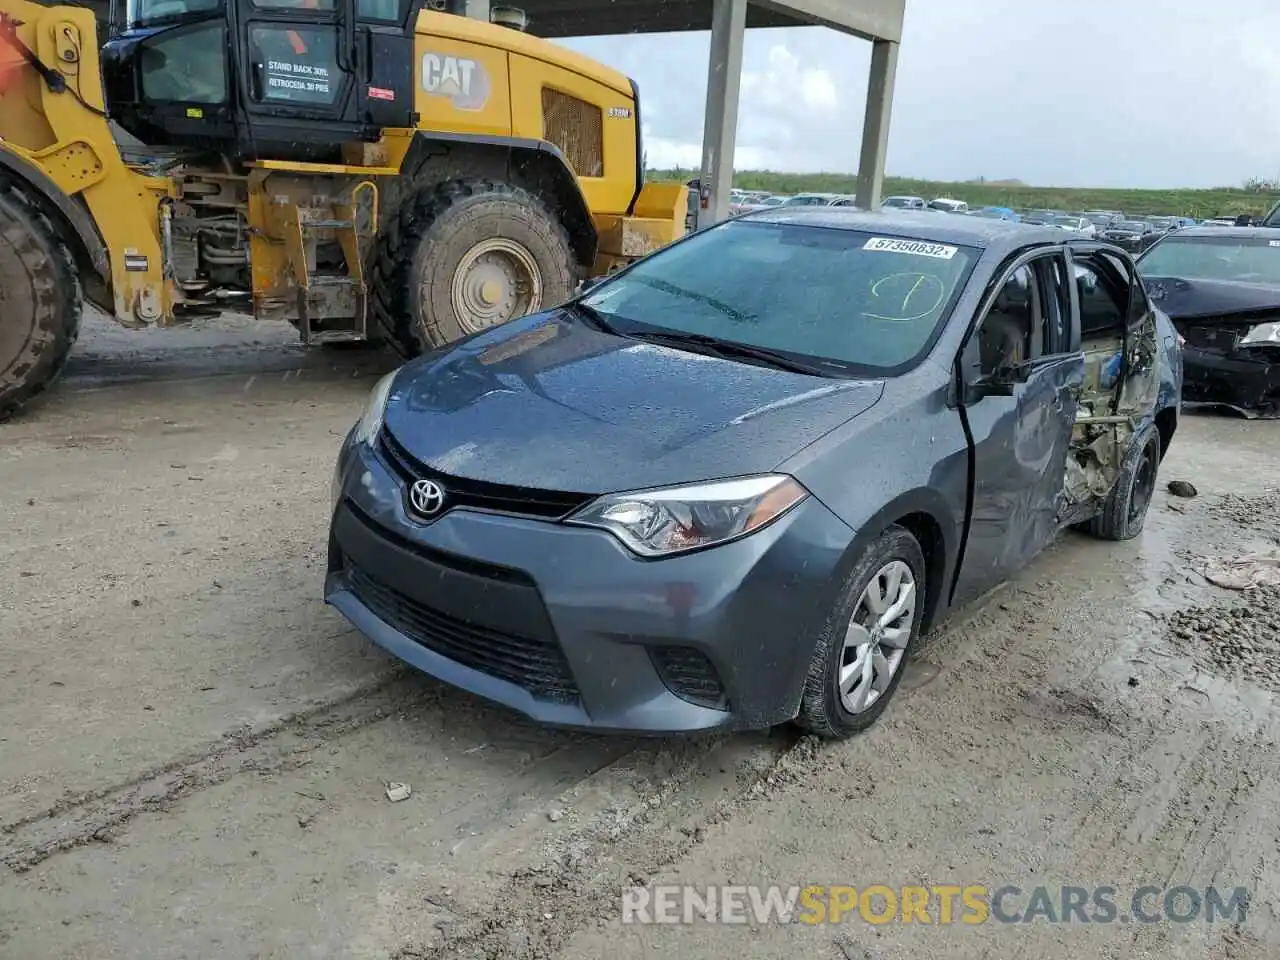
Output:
(194, 750)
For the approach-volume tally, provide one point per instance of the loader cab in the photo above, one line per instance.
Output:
(261, 79)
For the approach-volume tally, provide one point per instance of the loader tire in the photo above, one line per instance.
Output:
(40, 301)
(465, 256)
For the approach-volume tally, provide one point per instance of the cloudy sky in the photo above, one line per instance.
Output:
(1141, 93)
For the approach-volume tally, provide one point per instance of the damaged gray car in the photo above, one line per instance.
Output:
(730, 485)
(1221, 288)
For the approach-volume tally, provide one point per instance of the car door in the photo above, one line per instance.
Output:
(1019, 378)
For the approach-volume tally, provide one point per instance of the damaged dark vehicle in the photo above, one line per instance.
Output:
(732, 484)
(1221, 288)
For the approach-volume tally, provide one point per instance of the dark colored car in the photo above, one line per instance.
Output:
(997, 213)
(1132, 235)
(1221, 287)
(730, 485)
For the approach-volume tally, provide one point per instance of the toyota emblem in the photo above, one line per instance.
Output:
(426, 498)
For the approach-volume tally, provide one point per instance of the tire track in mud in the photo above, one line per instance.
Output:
(90, 817)
(1187, 791)
(538, 908)
(1214, 782)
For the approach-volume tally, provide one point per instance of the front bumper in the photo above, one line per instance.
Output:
(566, 626)
(1246, 382)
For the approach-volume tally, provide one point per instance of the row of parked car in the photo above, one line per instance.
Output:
(1130, 232)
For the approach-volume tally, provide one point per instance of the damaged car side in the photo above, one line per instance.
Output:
(1221, 288)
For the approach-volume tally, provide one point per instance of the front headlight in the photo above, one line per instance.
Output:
(1263, 333)
(657, 523)
(371, 421)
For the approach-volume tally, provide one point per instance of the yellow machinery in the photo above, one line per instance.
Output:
(364, 169)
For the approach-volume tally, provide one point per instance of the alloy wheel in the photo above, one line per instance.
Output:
(875, 643)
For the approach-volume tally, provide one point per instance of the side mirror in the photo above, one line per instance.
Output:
(1001, 383)
(988, 386)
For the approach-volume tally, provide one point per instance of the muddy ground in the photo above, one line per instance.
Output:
(194, 750)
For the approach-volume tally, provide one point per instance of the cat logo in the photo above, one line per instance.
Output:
(459, 79)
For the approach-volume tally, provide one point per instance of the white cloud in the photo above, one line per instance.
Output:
(1139, 93)
(818, 91)
(786, 84)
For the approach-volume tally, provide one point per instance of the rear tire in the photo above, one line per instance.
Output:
(1124, 512)
(466, 256)
(40, 301)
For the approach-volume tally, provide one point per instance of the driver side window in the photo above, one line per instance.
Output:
(1010, 333)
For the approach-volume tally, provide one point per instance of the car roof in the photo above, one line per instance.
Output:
(964, 231)
(1238, 233)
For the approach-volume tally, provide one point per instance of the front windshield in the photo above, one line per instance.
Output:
(805, 201)
(1131, 225)
(851, 302)
(896, 202)
(1214, 258)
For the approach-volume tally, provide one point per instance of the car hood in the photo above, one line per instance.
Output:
(1193, 299)
(550, 402)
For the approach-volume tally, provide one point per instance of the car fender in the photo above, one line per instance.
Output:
(925, 512)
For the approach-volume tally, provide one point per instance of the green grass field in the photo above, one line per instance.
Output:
(1222, 201)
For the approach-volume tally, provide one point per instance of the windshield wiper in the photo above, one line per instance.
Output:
(592, 316)
(731, 350)
(677, 291)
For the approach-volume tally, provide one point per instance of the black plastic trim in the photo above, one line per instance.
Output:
(635, 95)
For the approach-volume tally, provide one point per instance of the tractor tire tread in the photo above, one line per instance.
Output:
(400, 239)
(59, 300)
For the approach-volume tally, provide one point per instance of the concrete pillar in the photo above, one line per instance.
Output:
(875, 126)
(720, 130)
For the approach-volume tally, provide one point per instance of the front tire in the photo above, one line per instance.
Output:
(40, 302)
(864, 647)
(466, 256)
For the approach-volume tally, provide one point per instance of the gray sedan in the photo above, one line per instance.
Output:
(731, 485)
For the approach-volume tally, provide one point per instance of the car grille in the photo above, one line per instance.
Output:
(690, 676)
(479, 494)
(538, 666)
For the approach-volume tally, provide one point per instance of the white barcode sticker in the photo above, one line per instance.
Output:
(917, 248)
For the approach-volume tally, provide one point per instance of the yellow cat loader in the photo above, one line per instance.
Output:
(363, 169)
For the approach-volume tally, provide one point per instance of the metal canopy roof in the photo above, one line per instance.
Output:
(869, 19)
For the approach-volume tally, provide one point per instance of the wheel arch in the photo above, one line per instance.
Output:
(536, 165)
(1166, 421)
(72, 221)
(924, 514)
